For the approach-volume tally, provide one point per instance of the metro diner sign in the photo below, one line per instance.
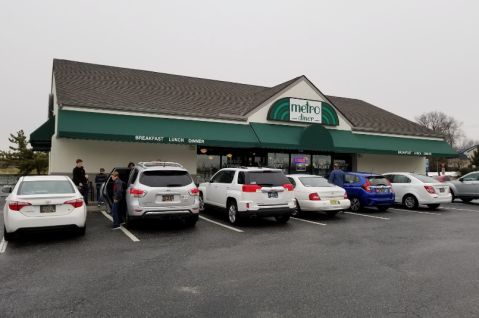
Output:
(305, 111)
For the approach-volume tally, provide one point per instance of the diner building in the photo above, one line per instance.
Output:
(110, 116)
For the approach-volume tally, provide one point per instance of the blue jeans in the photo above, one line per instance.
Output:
(114, 213)
(85, 195)
(99, 195)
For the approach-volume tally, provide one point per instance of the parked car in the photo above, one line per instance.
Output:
(156, 190)
(368, 190)
(43, 203)
(443, 178)
(6, 190)
(465, 188)
(249, 192)
(316, 194)
(415, 189)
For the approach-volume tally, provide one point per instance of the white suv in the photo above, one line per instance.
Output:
(249, 192)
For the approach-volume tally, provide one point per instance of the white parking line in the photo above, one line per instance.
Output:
(3, 245)
(308, 221)
(462, 209)
(217, 223)
(369, 216)
(128, 233)
(415, 211)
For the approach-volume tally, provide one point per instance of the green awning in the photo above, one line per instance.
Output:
(345, 141)
(41, 138)
(313, 137)
(405, 146)
(111, 127)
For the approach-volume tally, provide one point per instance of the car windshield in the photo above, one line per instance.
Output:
(165, 178)
(268, 178)
(378, 181)
(45, 187)
(315, 182)
(424, 179)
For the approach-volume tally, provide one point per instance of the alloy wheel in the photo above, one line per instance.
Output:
(355, 204)
(410, 202)
(232, 213)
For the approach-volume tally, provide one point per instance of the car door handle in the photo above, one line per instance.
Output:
(228, 187)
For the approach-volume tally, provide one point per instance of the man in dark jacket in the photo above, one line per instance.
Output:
(81, 179)
(99, 180)
(337, 176)
(117, 196)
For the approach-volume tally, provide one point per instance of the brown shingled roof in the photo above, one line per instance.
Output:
(114, 88)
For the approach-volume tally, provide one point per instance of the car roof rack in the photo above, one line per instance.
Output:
(147, 164)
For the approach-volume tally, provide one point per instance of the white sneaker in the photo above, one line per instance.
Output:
(99, 205)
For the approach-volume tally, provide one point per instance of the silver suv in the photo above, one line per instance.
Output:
(160, 190)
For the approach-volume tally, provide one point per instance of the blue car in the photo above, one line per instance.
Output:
(367, 189)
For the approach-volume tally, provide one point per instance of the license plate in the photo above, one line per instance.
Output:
(441, 190)
(383, 190)
(47, 208)
(167, 198)
(272, 194)
(334, 201)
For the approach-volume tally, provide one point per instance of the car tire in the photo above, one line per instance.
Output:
(202, 202)
(453, 196)
(191, 222)
(433, 206)
(356, 204)
(81, 230)
(8, 236)
(282, 218)
(332, 213)
(466, 200)
(232, 211)
(297, 211)
(410, 202)
(128, 221)
(383, 208)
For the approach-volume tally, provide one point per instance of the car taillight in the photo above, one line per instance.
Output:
(16, 205)
(314, 197)
(194, 192)
(289, 187)
(137, 193)
(430, 189)
(366, 186)
(251, 188)
(75, 202)
(345, 196)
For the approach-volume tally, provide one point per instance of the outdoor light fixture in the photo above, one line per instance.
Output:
(203, 150)
(229, 155)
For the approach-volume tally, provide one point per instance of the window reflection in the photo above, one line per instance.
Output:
(207, 166)
(321, 165)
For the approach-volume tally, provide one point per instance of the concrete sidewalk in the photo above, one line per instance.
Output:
(93, 207)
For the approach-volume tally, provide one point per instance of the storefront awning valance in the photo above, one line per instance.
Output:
(405, 146)
(112, 127)
(41, 138)
(313, 137)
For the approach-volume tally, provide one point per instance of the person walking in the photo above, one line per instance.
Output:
(131, 165)
(81, 179)
(99, 180)
(117, 196)
(337, 176)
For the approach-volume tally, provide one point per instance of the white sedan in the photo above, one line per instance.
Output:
(43, 203)
(314, 193)
(415, 189)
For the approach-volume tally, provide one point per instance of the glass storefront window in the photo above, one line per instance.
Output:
(301, 164)
(344, 162)
(279, 161)
(231, 162)
(321, 165)
(206, 167)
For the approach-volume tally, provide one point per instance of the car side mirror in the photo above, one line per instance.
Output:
(10, 190)
(461, 179)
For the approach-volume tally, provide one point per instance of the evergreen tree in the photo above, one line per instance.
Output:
(475, 158)
(24, 159)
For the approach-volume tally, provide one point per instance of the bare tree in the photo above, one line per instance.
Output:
(466, 143)
(449, 127)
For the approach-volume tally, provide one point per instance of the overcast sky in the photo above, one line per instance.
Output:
(407, 57)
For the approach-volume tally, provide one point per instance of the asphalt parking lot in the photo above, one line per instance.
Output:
(396, 263)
